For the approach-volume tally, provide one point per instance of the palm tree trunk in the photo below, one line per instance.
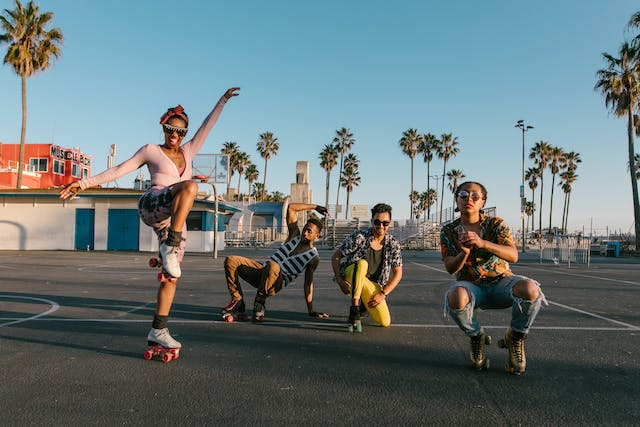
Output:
(553, 182)
(540, 211)
(428, 188)
(444, 169)
(564, 214)
(346, 211)
(410, 200)
(338, 190)
(566, 217)
(23, 131)
(264, 180)
(533, 214)
(632, 173)
(239, 178)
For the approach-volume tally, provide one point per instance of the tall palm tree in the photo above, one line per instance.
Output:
(454, 175)
(231, 149)
(540, 155)
(410, 144)
(568, 177)
(619, 83)
(251, 174)
(531, 176)
(31, 50)
(350, 176)
(257, 192)
(414, 198)
(328, 159)
(555, 158)
(242, 160)
(267, 146)
(428, 148)
(529, 211)
(343, 141)
(447, 149)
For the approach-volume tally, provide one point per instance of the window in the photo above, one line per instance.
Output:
(85, 173)
(75, 170)
(38, 164)
(58, 167)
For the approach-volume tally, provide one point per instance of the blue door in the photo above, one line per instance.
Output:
(85, 220)
(124, 229)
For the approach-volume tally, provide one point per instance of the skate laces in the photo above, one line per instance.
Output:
(477, 347)
(516, 344)
(354, 313)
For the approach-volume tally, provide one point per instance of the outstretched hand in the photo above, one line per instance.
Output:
(70, 191)
(321, 210)
(231, 92)
(318, 315)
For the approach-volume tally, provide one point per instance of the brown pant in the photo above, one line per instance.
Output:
(266, 279)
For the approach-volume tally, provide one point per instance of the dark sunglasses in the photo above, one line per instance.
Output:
(384, 223)
(474, 196)
(168, 129)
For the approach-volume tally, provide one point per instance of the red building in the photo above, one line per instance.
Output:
(45, 165)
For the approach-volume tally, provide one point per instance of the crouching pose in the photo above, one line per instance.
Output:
(297, 255)
(368, 267)
(478, 249)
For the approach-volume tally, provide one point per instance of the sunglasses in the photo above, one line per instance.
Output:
(474, 196)
(383, 223)
(168, 129)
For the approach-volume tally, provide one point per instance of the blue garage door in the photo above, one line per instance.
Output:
(85, 220)
(124, 229)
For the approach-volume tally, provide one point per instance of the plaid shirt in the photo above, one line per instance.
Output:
(355, 247)
(481, 266)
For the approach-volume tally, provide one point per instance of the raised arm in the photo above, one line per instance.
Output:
(292, 216)
(308, 288)
(203, 131)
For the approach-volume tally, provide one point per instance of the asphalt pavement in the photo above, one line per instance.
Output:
(73, 329)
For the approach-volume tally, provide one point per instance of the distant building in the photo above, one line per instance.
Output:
(45, 165)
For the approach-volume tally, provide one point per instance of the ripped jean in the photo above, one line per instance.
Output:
(495, 295)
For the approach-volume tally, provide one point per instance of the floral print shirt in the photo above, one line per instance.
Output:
(481, 266)
(355, 247)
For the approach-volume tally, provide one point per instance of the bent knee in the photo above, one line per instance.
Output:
(458, 298)
(526, 289)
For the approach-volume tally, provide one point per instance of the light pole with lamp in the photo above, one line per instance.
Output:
(523, 200)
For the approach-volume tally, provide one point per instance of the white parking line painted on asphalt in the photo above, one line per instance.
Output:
(54, 307)
(607, 279)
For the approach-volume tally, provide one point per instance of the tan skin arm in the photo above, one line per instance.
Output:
(396, 276)
(345, 286)
(470, 239)
(308, 288)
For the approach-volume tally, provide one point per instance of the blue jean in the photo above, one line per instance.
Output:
(495, 295)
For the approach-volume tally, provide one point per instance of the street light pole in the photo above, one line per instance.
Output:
(523, 201)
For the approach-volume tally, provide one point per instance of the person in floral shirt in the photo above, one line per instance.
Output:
(368, 266)
(478, 250)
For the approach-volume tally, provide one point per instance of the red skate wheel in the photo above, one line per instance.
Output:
(166, 357)
(153, 262)
(161, 278)
(175, 353)
(148, 355)
(229, 319)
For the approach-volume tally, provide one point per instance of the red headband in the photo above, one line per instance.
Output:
(175, 111)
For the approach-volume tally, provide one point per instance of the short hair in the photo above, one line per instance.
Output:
(316, 222)
(380, 208)
(482, 188)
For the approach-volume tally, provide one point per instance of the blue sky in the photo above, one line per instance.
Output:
(307, 69)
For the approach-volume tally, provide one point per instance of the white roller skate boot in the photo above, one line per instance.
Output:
(161, 337)
(170, 259)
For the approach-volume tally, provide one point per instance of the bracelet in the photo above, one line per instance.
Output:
(383, 293)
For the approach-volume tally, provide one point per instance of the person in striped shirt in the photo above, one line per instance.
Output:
(297, 255)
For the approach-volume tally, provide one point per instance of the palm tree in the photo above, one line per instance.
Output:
(619, 83)
(428, 147)
(555, 158)
(414, 198)
(350, 176)
(454, 175)
(568, 178)
(328, 159)
(343, 141)
(529, 211)
(242, 160)
(447, 148)
(31, 50)
(540, 155)
(410, 144)
(636, 159)
(231, 149)
(257, 192)
(251, 174)
(531, 176)
(267, 146)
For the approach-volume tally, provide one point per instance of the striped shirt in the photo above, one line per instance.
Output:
(292, 265)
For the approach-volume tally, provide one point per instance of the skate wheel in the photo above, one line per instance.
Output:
(350, 328)
(161, 277)
(487, 339)
(229, 319)
(502, 344)
(166, 357)
(148, 355)
(153, 262)
(175, 353)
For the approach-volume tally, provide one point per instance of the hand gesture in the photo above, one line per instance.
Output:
(70, 191)
(231, 92)
(322, 210)
(318, 315)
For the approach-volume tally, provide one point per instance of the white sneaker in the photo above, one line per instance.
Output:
(163, 338)
(170, 259)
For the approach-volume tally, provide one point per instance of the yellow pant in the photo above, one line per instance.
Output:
(364, 289)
